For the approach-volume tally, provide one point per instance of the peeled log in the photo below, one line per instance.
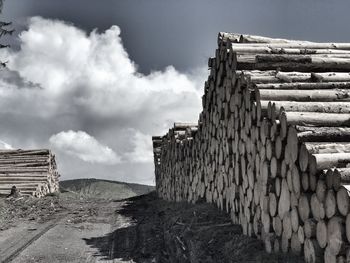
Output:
(326, 147)
(305, 85)
(329, 160)
(303, 96)
(323, 134)
(318, 119)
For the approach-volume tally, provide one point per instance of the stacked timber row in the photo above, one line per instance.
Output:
(33, 172)
(272, 144)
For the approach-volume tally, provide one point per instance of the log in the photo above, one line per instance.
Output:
(305, 85)
(329, 160)
(318, 119)
(284, 201)
(312, 251)
(323, 134)
(304, 207)
(300, 45)
(328, 256)
(343, 174)
(335, 235)
(295, 244)
(294, 218)
(326, 147)
(343, 201)
(300, 96)
(330, 204)
(321, 234)
(310, 228)
(347, 227)
(277, 225)
(314, 65)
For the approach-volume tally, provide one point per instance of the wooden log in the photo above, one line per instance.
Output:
(277, 225)
(285, 243)
(307, 106)
(316, 95)
(331, 77)
(342, 174)
(343, 201)
(303, 158)
(305, 85)
(294, 218)
(326, 147)
(304, 207)
(295, 244)
(328, 256)
(310, 228)
(317, 208)
(321, 234)
(329, 160)
(347, 227)
(312, 251)
(318, 119)
(321, 190)
(284, 201)
(302, 65)
(330, 204)
(301, 234)
(323, 134)
(335, 235)
(300, 45)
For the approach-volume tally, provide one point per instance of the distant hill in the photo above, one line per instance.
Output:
(102, 189)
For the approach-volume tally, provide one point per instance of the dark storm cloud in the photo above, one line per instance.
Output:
(183, 33)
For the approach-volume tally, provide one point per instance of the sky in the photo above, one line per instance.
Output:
(94, 80)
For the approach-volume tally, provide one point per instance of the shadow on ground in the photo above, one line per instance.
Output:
(153, 230)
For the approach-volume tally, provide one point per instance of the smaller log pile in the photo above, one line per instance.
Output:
(272, 144)
(33, 172)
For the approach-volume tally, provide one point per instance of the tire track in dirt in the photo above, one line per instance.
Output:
(9, 253)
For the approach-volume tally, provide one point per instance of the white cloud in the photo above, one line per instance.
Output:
(142, 148)
(84, 146)
(65, 79)
(5, 146)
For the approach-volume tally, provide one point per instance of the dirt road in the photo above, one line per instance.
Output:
(62, 239)
(143, 229)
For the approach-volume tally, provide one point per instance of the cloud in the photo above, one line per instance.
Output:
(84, 146)
(142, 151)
(63, 79)
(5, 146)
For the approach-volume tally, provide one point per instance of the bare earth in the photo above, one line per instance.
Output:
(141, 229)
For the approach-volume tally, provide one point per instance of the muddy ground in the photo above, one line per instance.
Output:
(141, 229)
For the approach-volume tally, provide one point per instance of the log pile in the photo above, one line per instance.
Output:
(272, 144)
(32, 172)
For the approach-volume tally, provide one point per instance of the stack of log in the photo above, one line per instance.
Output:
(32, 172)
(272, 144)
